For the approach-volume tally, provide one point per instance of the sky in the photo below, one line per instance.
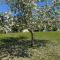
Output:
(39, 4)
(4, 7)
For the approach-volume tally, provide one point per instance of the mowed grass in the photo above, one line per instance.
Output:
(47, 46)
(15, 35)
(37, 35)
(48, 35)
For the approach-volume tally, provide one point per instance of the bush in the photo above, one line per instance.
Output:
(41, 28)
(51, 28)
(14, 28)
(1, 30)
(54, 28)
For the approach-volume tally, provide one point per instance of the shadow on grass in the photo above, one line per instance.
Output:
(17, 47)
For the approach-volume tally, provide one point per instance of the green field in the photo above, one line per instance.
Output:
(37, 35)
(16, 46)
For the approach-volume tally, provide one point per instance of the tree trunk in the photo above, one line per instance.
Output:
(32, 37)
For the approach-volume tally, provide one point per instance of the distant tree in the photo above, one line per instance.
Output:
(6, 21)
(1, 20)
(48, 13)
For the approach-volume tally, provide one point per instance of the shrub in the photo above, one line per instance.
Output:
(1, 30)
(14, 28)
(51, 28)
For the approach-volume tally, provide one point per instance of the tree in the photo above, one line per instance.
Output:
(6, 21)
(48, 13)
(24, 10)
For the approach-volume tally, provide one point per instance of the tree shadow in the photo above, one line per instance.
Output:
(18, 47)
(41, 43)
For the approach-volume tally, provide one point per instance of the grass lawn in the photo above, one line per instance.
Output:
(37, 35)
(16, 46)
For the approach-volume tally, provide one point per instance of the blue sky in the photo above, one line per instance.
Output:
(39, 4)
(4, 7)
